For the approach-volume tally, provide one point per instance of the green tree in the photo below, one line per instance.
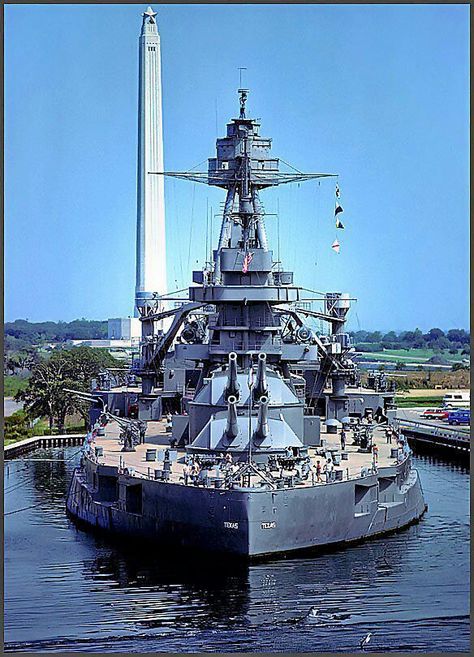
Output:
(10, 364)
(458, 335)
(374, 336)
(458, 367)
(412, 339)
(16, 427)
(434, 335)
(46, 396)
(22, 333)
(85, 363)
(391, 336)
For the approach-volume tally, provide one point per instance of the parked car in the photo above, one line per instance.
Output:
(457, 398)
(434, 414)
(461, 416)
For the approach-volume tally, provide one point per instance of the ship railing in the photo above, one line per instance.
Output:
(189, 393)
(252, 345)
(266, 322)
(461, 433)
(327, 478)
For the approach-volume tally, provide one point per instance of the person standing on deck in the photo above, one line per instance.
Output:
(142, 431)
(318, 471)
(194, 472)
(375, 455)
(186, 472)
(329, 467)
(343, 439)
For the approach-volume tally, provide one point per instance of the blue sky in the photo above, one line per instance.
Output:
(377, 94)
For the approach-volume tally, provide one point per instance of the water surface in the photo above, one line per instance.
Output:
(66, 589)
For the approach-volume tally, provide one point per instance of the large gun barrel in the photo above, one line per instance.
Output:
(262, 430)
(260, 388)
(232, 387)
(232, 427)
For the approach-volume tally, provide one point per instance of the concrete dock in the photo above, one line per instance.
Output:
(23, 447)
(434, 435)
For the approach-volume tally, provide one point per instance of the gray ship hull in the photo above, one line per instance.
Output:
(247, 522)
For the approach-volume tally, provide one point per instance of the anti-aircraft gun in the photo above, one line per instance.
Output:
(132, 432)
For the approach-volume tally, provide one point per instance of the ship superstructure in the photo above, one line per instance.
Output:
(245, 303)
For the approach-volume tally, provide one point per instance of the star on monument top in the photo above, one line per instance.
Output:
(149, 12)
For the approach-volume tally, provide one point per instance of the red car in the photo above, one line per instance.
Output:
(434, 414)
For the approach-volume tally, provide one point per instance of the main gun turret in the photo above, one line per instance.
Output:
(260, 388)
(232, 387)
(262, 430)
(232, 427)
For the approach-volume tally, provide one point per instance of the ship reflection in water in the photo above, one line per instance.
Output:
(68, 590)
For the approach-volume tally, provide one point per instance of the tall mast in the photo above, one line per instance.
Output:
(243, 166)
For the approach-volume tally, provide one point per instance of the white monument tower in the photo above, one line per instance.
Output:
(151, 248)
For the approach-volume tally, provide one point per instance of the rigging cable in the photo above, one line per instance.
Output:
(178, 227)
(207, 231)
(278, 228)
(191, 227)
(291, 166)
(25, 508)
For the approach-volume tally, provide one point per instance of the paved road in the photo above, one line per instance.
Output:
(414, 415)
(10, 406)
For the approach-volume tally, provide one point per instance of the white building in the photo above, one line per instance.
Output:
(124, 328)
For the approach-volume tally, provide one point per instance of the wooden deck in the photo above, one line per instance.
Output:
(158, 439)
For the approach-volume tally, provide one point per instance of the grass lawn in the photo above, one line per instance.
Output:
(12, 384)
(412, 356)
(410, 402)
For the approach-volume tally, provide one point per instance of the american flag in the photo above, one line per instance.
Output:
(246, 263)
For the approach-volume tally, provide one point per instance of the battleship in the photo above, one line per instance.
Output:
(245, 377)
(250, 433)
